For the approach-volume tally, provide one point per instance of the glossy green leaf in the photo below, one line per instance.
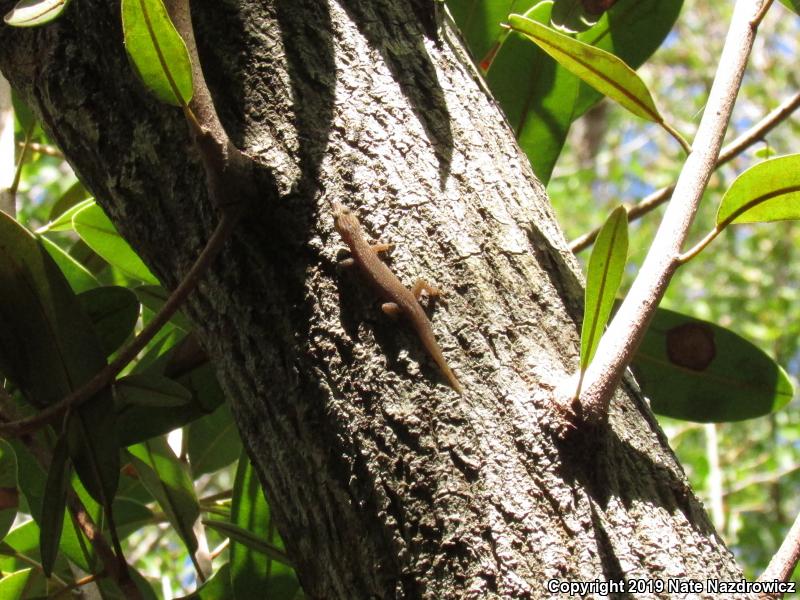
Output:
(217, 587)
(768, 191)
(154, 297)
(698, 371)
(113, 311)
(9, 496)
(48, 348)
(30, 13)
(55, 503)
(151, 390)
(251, 569)
(167, 479)
(157, 51)
(213, 442)
(13, 585)
(606, 267)
(99, 233)
(79, 278)
(63, 222)
(248, 539)
(600, 69)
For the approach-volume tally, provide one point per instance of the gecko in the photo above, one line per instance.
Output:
(400, 300)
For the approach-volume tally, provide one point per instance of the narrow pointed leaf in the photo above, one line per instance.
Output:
(600, 69)
(13, 585)
(768, 191)
(698, 371)
(250, 568)
(157, 51)
(167, 479)
(217, 587)
(248, 538)
(99, 233)
(606, 266)
(55, 503)
(30, 13)
(151, 390)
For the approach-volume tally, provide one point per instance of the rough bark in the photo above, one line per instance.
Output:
(385, 483)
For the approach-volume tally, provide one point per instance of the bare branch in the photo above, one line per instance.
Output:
(785, 560)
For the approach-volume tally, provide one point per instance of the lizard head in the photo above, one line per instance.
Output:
(345, 222)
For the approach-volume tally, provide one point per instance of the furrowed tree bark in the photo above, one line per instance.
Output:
(384, 482)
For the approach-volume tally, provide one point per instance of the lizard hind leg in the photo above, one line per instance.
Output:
(420, 285)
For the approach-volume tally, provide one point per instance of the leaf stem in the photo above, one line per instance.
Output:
(753, 135)
(626, 330)
(687, 147)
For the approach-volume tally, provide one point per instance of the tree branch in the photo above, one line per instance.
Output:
(785, 560)
(626, 330)
(753, 135)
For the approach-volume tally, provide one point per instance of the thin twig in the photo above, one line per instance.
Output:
(752, 136)
(785, 561)
(45, 149)
(104, 377)
(626, 330)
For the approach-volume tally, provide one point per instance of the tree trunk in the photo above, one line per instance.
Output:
(384, 482)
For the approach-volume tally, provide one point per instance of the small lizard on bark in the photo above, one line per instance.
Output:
(400, 300)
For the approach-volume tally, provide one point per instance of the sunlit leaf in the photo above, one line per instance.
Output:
(698, 371)
(248, 538)
(79, 278)
(63, 222)
(167, 479)
(217, 587)
(99, 233)
(606, 266)
(249, 568)
(154, 297)
(793, 5)
(29, 13)
(768, 191)
(13, 585)
(600, 69)
(157, 51)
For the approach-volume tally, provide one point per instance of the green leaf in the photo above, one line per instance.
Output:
(48, 348)
(154, 297)
(167, 479)
(157, 51)
(13, 585)
(63, 222)
(248, 539)
(30, 13)
(793, 5)
(570, 16)
(55, 503)
(9, 496)
(151, 390)
(74, 195)
(76, 274)
(600, 69)
(99, 233)
(113, 311)
(213, 442)
(698, 371)
(251, 569)
(768, 191)
(606, 267)
(217, 587)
